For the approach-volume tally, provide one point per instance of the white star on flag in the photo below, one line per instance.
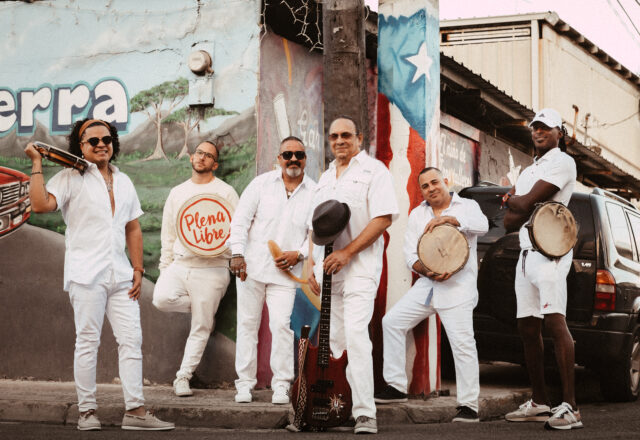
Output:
(422, 61)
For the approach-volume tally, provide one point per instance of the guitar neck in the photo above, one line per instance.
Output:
(325, 315)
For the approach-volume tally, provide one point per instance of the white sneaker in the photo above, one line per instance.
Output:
(181, 387)
(280, 395)
(529, 412)
(243, 396)
(564, 417)
(89, 421)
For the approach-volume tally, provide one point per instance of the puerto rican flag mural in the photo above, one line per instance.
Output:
(407, 141)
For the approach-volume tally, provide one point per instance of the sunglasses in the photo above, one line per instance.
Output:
(346, 136)
(94, 141)
(287, 155)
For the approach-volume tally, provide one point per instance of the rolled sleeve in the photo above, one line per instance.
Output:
(381, 195)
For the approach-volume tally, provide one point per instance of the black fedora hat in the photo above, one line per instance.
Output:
(329, 220)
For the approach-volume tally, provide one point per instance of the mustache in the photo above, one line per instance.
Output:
(294, 162)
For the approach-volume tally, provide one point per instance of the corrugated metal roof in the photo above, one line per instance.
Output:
(559, 25)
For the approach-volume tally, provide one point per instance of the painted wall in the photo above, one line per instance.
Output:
(65, 60)
(407, 141)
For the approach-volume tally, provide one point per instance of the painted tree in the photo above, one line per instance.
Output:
(189, 118)
(151, 102)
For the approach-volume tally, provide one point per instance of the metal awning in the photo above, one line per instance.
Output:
(472, 99)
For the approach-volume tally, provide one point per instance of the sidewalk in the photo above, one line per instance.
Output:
(55, 402)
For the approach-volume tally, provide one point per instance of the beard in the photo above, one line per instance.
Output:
(293, 172)
(202, 170)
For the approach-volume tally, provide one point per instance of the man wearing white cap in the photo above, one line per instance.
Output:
(541, 282)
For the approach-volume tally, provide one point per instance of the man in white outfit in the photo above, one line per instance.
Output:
(366, 185)
(452, 296)
(100, 208)
(190, 282)
(275, 206)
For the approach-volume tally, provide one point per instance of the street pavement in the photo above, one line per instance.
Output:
(503, 388)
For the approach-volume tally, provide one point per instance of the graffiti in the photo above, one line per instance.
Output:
(457, 159)
(309, 131)
(106, 100)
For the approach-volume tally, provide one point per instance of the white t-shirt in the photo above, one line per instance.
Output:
(95, 239)
(555, 167)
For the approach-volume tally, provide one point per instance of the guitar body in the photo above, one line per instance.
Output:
(321, 395)
(326, 392)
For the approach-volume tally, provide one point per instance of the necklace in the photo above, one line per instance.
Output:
(109, 181)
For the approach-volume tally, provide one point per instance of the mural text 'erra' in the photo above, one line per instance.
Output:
(106, 100)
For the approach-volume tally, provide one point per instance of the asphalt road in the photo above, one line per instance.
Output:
(601, 420)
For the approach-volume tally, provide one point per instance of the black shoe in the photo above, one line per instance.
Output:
(390, 395)
(466, 414)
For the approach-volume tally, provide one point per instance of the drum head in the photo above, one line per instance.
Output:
(445, 249)
(204, 224)
(553, 228)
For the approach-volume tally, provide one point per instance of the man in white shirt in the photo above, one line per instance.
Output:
(366, 185)
(101, 210)
(190, 282)
(275, 206)
(452, 296)
(541, 282)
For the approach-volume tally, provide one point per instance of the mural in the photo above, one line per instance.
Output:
(126, 62)
(407, 141)
(290, 104)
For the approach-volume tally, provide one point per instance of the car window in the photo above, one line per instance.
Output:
(620, 230)
(635, 228)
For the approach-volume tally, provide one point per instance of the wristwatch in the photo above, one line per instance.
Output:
(300, 257)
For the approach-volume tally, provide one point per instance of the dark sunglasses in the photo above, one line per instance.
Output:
(287, 155)
(94, 141)
(346, 136)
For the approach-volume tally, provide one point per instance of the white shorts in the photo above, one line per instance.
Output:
(541, 284)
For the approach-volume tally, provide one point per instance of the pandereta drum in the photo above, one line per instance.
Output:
(443, 250)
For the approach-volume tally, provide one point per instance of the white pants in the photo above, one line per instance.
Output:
(408, 312)
(90, 303)
(251, 298)
(352, 304)
(195, 290)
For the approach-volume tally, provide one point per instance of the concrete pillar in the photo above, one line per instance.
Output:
(407, 141)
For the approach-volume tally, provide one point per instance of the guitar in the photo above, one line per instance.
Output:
(321, 393)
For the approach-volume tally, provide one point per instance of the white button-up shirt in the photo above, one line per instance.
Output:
(462, 286)
(366, 186)
(555, 167)
(95, 239)
(265, 213)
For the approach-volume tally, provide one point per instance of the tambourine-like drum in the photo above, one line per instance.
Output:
(61, 157)
(553, 230)
(443, 250)
(204, 224)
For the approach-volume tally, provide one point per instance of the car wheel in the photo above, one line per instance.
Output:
(620, 380)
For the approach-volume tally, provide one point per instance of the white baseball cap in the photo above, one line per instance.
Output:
(549, 117)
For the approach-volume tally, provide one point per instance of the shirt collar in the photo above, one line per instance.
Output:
(94, 167)
(549, 155)
(455, 199)
(358, 158)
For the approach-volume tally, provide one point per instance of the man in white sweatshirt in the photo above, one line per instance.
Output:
(190, 282)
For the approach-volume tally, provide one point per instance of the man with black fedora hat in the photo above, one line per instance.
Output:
(365, 185)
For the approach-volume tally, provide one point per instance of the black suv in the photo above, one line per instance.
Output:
(603, 289)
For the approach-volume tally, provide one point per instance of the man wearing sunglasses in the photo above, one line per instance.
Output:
(275, 206)
(101, 210)
(188, 282)
(365, 184)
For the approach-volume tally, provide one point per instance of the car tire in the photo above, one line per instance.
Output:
(620, 380)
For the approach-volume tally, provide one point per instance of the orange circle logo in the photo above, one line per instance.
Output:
(204, 224)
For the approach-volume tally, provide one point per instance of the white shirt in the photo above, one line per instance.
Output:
(462, 286)
(366, 186)
(265, 213)
(95, 239)
(172, 248)
(555, 167)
